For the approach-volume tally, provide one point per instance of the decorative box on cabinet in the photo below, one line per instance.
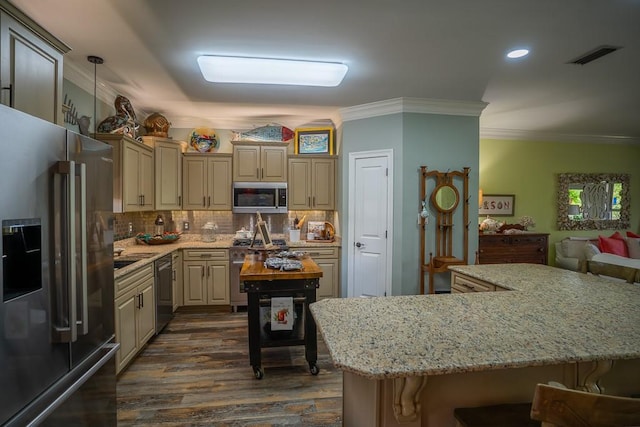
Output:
(511, 248)
(168, 171)
(30, 66)
(259, 161)
(206, 181)
(134, 313)
(311, 183)
(206, 276)
(133, 173)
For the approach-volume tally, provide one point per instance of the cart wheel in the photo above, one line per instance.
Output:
(314, 369)
(258, 373)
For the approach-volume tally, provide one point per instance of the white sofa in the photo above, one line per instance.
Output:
(571, 250)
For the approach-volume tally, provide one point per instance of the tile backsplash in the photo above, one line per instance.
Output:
(228, 222)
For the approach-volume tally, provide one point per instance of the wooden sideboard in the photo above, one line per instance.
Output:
(509, 248)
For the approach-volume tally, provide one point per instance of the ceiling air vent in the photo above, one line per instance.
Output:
(596, 53)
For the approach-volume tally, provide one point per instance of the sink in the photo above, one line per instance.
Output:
(120, 263)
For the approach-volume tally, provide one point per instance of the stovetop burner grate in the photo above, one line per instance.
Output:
(245, 243)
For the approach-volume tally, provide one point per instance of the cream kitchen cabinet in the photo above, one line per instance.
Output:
(178, 295)
(30, 66)
(134, 313)
(168, 171)
(311, 183)
(328, 259)
(206, 181)
(256, 162)
(461, 283)
(206, 276)
(133, 173)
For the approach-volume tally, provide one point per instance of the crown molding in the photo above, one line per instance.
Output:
(84, 81)
(528, 135)
(412, 105)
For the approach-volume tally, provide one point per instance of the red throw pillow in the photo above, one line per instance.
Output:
(634, 235)
(617, 235)
(613, 246)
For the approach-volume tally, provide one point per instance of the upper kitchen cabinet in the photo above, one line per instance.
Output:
(265, 162)
(311, 183)
(168, 171)
(206, 181)
(133, 173)
(30, 66)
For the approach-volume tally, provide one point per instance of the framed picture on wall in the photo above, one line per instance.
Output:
(498, 204)
(314, 141)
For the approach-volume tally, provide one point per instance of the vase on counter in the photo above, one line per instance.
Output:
(208, 232)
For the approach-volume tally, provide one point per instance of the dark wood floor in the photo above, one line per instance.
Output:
(197, 372)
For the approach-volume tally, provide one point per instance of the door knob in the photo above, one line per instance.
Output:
(359, 245)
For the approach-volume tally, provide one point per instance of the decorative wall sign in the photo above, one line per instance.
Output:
(498, 204)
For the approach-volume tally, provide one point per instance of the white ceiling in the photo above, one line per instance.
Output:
(451, 50)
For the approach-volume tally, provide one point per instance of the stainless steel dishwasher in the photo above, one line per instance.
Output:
(164, 291)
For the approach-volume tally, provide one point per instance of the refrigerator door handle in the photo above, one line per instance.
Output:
(83, 306)
(64, 324)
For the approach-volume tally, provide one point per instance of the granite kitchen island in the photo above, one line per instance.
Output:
(410, 360)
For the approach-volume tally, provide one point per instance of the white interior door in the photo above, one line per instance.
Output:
(370, 217)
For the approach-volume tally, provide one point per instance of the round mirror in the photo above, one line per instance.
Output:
(445, 198)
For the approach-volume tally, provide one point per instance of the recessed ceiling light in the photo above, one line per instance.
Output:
(518, 53)
(230, 69)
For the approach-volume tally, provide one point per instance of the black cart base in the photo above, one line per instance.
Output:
(303, 292)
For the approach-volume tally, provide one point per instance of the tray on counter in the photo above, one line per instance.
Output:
(148, 239)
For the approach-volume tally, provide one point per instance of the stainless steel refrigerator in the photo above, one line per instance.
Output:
(57, 346)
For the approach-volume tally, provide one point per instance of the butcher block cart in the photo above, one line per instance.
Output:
(261, 285)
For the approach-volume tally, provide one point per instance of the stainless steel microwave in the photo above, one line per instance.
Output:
(263, 197)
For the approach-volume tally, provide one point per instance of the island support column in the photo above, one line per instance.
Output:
(392, 402)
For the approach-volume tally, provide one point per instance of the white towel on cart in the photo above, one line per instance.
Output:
(281, 313)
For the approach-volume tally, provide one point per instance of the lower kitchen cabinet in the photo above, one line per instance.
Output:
(328, 259)
(461, 284)
(134, 313)
(206, 277)
(178, 296)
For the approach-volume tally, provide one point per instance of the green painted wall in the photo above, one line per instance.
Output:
(439, 142)
(529, 170)
(377, 133)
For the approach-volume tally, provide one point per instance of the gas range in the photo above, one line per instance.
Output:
(246, 243)
(240, 247)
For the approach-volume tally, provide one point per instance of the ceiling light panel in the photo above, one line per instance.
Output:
(229, 69)
(518, 53)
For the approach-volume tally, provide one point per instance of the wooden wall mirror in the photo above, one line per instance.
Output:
(445, 198)
(593, 201)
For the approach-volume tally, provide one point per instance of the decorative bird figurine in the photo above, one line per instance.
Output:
(124, 121)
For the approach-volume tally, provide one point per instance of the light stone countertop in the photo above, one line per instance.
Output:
(190, 241)
(550, 316)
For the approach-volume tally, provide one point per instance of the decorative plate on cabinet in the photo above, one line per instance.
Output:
(204, 140)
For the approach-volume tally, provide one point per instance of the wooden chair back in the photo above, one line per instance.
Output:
(561, 407)
(628, 274)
